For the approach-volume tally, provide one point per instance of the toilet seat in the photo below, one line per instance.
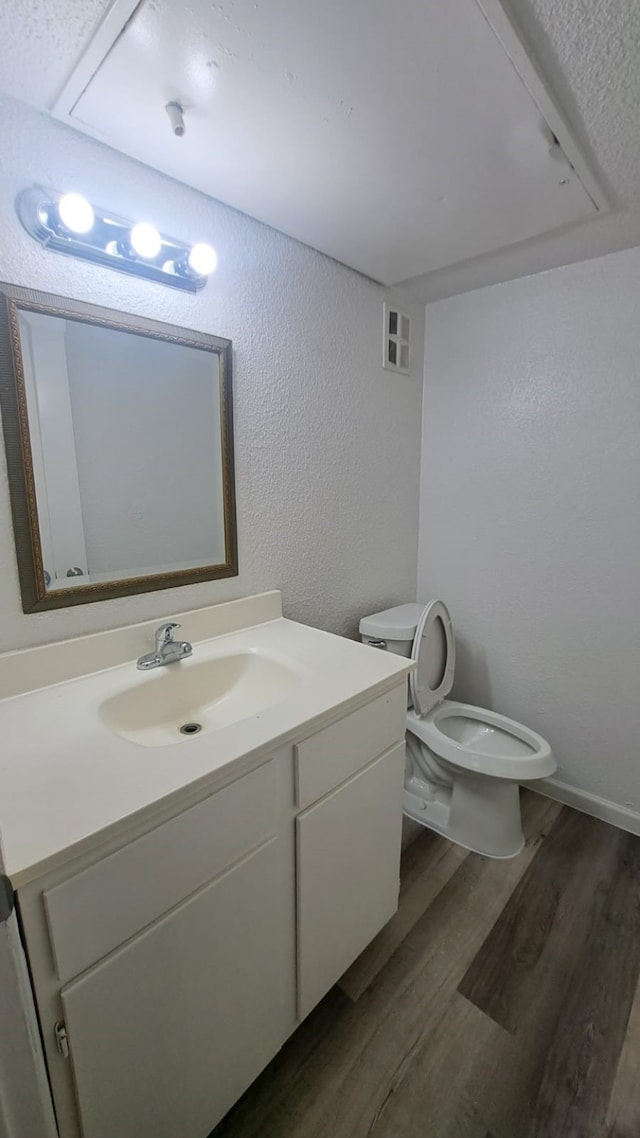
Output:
(472, 738)
(487, 743)
(434, 651)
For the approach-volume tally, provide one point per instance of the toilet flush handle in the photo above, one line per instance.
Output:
(377, 644)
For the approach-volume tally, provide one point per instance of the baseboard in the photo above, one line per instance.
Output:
(620, 816)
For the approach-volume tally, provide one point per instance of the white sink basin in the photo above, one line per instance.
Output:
(89, 743)
(182, 700)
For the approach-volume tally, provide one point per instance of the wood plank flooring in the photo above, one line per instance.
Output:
(502, 1001)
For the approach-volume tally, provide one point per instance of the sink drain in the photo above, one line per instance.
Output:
(190, 728)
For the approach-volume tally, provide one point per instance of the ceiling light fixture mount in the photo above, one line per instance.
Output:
(175, 112)
(68, 223)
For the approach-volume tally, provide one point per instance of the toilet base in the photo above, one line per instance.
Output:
(480, 814)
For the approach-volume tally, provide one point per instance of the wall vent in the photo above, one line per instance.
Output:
(396, 343)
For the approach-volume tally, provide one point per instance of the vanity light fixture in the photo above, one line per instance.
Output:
(68, 223)
(75, 213)
(202, 259)
(145, 240)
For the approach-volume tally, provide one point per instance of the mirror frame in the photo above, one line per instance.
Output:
(22, 490)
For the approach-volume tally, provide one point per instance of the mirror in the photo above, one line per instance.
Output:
(119, 440)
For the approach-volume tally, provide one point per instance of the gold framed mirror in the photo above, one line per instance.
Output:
(119, 441)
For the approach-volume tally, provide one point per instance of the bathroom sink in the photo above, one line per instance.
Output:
(185, 699)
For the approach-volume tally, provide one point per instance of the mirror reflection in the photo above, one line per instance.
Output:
(125, 439)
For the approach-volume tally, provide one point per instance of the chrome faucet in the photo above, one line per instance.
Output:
(167, 649)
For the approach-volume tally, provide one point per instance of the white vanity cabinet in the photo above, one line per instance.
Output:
(348, 840)
(348, 850)
(169, 1030)
(164, 971)
(169, 970)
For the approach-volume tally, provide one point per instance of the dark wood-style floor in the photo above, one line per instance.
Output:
(502, 1001)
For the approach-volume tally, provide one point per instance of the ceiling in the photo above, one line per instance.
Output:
(585, 50)
(394, 135)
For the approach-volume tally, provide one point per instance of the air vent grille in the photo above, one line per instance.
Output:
(396, 344)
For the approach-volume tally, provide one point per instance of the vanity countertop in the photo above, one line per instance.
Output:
(68, 781)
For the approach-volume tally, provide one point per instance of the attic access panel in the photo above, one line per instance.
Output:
(394, 135)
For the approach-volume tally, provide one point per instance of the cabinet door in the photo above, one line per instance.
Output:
(348, 873)
(168, 1031)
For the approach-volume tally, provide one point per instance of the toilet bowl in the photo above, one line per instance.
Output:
(464, 763)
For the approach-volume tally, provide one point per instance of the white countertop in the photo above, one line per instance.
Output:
(67, 781)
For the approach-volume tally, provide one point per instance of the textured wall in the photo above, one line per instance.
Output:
(327, 443)
(529, 509)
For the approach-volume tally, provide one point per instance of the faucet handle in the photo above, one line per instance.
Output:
(164, 634)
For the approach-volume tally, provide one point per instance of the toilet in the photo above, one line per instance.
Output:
(464, 763)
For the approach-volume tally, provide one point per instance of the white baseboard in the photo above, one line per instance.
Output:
(621, 816)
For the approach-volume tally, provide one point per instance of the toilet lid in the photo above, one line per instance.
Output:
(435, 654)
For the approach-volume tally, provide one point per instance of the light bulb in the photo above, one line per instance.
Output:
(75, 213)
(202, 259)
(145, 240)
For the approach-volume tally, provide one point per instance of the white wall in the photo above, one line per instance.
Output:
(327, 443)
(530, 494)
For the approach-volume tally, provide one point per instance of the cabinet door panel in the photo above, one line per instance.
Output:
(167, 1032)
(348, 873)
(93, 912)
(337, 752)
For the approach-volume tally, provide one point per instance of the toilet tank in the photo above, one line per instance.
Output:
(393, 629)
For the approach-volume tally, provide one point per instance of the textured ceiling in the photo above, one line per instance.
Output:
(588, 51)
(40, 40)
